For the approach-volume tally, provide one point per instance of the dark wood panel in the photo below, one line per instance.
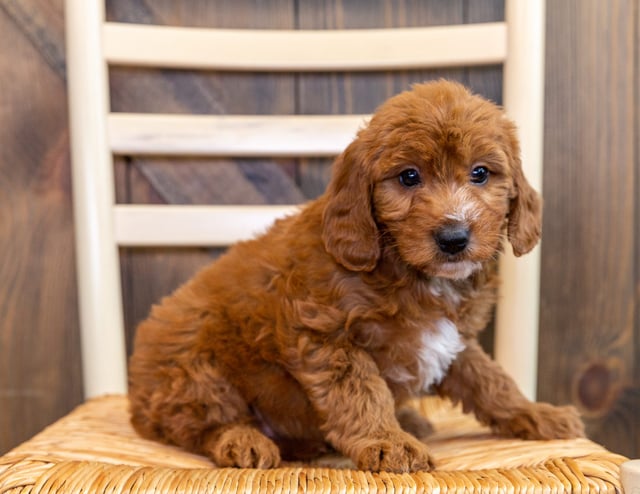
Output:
(636, 104)
(41, 24)
(587, 345)
(40, 376)
(148, 274)
(269, 14)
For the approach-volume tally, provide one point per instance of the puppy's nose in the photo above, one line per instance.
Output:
(452, 239)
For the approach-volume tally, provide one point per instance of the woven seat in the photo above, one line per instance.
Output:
(95, 449)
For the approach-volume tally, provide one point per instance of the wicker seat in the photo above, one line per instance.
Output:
(94, 448)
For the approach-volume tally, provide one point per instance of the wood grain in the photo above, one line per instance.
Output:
(636, 167)
(149, 274)
(40, 376)
(588, 334)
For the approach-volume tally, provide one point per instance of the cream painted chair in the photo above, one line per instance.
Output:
(94, 449)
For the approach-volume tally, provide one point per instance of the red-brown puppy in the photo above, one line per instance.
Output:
(317, 332)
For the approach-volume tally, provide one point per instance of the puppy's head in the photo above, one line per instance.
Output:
(436, 175)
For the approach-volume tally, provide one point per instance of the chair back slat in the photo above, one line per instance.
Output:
(232, 135)
(302, 50)
(215, 226)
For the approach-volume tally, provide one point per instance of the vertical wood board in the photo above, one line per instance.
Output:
(40, 377)
(588, 303)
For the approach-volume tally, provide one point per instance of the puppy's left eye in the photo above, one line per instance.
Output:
(410, 177)
(480, 175)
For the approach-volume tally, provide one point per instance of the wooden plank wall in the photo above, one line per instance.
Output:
(590, 332)
(588, 280)
(39, 347)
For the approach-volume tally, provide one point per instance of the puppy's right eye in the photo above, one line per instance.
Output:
(410, 177)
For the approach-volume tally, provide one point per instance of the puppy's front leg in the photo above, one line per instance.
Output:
(357, 409)
(485, 389)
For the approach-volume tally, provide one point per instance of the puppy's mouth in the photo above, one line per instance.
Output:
(457, 270)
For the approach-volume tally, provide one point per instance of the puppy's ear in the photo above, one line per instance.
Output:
(525, 213)
(349, 231)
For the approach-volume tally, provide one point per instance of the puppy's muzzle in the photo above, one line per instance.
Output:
(452, 239)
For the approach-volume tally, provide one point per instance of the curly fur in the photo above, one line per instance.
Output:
(313, 336)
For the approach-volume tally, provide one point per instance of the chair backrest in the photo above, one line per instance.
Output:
(97, 133)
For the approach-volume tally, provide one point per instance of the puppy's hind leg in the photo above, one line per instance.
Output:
(178, 394)
(203, 413)
(241, 445)
(230, 436)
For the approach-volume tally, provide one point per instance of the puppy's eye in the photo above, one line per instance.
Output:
(410, 177)
(479, 175)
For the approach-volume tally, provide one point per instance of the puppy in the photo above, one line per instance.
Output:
(313, 336)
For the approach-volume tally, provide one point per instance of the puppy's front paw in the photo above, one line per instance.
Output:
(244, 447)
(543, 421)
(394, 452)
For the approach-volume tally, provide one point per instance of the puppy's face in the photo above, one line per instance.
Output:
(443, 181)
(437, 175)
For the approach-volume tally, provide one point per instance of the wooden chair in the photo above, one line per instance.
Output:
(94, 448)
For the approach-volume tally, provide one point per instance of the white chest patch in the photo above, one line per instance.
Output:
(438, 347)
